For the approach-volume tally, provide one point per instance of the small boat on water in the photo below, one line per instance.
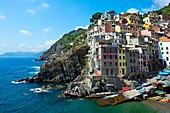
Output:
(38, 90)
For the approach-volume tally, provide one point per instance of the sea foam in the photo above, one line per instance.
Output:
(16, 82)
(36, 67)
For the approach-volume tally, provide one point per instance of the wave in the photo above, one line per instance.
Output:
(35, 72)
(39, 90)
(16, 82)
(36, 67)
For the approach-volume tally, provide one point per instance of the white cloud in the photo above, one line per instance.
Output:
(25, 32)
(132, 10)
(77, 27)
(145, 10)
(31, 11)
(42, 47)
(48, 29)
(3, 45)
(61, 36)
(157, 4)
(50, 43)
(161, 3)
(21, 46)
(44, 5)
(2, 17)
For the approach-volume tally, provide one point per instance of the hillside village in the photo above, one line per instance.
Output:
(125, 43)
(127, 52)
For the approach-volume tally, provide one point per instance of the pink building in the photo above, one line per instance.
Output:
(105, 58)
(108, 27)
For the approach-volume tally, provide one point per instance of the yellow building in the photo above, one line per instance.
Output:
(132, 19)
(147, 25)
(127, 61)
(122, 62)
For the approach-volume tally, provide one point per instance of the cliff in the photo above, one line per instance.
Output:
(68, 42)
(165, 10)
(65, 60)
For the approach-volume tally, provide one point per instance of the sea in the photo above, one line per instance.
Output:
(17, 97)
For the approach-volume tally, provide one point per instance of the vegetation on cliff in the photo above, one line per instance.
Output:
(65, 60)
(68, 42)
(164, 10)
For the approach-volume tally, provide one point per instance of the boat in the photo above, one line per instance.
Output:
(165, 99)
(160, 92)
(157, 98)
(166, 83)
(146, 84)
(139, 87)
(142, 90)
(125, 88)
(37, 90)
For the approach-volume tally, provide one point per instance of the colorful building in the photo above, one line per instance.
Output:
(127, 61)
(164, 50)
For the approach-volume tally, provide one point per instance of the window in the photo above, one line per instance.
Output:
(111, 71)
(133, 60)
(167, 52)
(160, 43)
(104, 56)
(166, 48)
(115, 50)
(115, 63)
(123, 57)
(110, 56)
(111, 64)
(162, 52)
(107, 72)
(120, 64)
(104, 63)
(110, 49)
(133, 54)
(123, 64)
(134, 69)
(104, 49)
(161, 48)
(130, 54)
(131, 69)
(115, 56)
(119, 57)
(130, 60)
(167, 58)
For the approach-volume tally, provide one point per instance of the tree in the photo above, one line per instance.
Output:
(112, 12)
(95, 17)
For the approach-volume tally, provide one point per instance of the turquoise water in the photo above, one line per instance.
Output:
(16, 98)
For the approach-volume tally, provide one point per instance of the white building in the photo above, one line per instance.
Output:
(164, 51)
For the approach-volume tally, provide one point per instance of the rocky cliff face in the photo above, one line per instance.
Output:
(65, 60)
(65, 68)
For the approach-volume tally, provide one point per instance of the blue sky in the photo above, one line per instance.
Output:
(33, 25)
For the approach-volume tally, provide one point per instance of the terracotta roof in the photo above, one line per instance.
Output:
(164, 39)
(168, 35)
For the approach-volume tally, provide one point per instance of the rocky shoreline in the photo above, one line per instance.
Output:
(62, 69)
